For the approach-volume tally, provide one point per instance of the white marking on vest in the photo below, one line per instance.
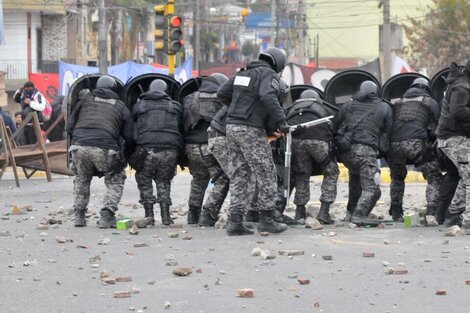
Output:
(242, 81)
(110, 101)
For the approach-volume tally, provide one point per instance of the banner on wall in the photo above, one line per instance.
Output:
(47, 84)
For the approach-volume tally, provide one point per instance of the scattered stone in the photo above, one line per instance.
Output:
(452, 231)
(303, 281)
(104, 241)
(316, 304)
(187, 237)
(75, 294)
(467, 282)
(327, 257)
(291, 252)
(445, 242)
(245, 293)
(389, 270)
(386, 242)
(264, 234)
(135, 290)
(167, 305)
(109, 281)
(94, 259)
(122, 294)
(313, 223)
(17, 211)
(182, 271)
(5, 233)
(381, 226)
(441, 292)
(123, 279)
(140, 245)
(352, 226)
(104, 274)
(385, 263)
(400, 271)
(53, 221)
(61, 239)
(222, 272)
(292, 276)
(267, 255)
(427, 260)
(171, 263)
(51, 261)
(143, 222)
(134, 230)
(5, 218)
(218, 281)
(199, 270)
(430, 220)
(368, 254)
(256, 251)
(96, 265)
(82, 246)
(42, 227)
(173, 235)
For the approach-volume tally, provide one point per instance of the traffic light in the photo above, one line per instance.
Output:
(175, 34)
(161, 28)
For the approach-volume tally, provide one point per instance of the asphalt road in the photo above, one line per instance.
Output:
(38, 274)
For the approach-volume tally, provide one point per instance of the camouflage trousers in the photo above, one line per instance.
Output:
(218, 146)
(250, 156)
(160, 167)
(364, 177)
(203, 166)
(457, 149)
(88, 161)
(399, 153)
(305, 152)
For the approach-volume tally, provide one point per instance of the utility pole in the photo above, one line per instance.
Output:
(317, 51)
(386, 40)
(103, 36)
(273, 22)
(197, 37)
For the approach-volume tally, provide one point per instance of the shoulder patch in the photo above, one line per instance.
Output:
(242, 81)
(275, 84)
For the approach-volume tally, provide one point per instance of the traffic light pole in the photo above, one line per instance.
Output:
(171, 57)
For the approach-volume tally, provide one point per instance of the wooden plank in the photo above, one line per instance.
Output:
(45, 157)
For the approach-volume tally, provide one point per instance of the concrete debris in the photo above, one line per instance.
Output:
(441, 292)
(313, 223)
(430, 220)
(134, 230)
(256, 251)
(123, 279)
(182, 271)
(140, 245)
(327, 257)
(245, 293)
(167, 305)
(122, 294)
(104, 241)
(143, 222)
(267, 255)
(173, 235)
(368, 254)
(303, 281)
(291, 252)
(452, 231)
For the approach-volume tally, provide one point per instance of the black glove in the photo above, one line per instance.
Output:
(299, 130)
(284, 128)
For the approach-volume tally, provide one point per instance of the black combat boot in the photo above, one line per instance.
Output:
(361, 218)
(235, 226)
(148, 207)
(279, 215)
(324, 215)
(300, 214)
(268, 224)
(80, 220)
(396, 211)
(193, 214)
(252, 216)
(165, 214)
(107, 218)
(207, 218)
(350, 207)
(453, 219)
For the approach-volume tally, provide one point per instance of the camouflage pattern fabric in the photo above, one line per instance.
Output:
(364, 176)
(203, 166)
(457, 149)
(160, 167)
(399, 152)
(87, 160)
(304, 153)
(250, 154)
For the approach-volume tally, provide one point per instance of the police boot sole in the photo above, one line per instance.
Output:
(325, 221)
(288, 220)
(239, 231)
(365, 222)
(80, 224)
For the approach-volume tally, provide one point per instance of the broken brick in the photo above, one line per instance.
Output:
(245, 293)
(122, 294)
(303, 281)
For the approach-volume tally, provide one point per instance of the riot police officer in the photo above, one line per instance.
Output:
(252, 97)
(415, 118)
(453, 133)
(363, 125)
(199, 109)
(311, 147)
(159, 139)
(98, 124)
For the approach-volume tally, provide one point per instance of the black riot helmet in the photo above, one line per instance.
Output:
(158, 85)
(220, 79)
(275, 57)
(106, 82)
(367, 89)
(309, 94)
(421, 83)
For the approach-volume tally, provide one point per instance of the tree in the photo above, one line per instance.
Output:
(442, 37)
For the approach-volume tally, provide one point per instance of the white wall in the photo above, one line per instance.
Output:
(13, 55)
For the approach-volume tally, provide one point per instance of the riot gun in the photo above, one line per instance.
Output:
(288, 151)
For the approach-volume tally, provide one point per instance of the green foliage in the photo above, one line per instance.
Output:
(442, 37)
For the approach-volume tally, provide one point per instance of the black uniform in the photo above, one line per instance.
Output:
(159, 138)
